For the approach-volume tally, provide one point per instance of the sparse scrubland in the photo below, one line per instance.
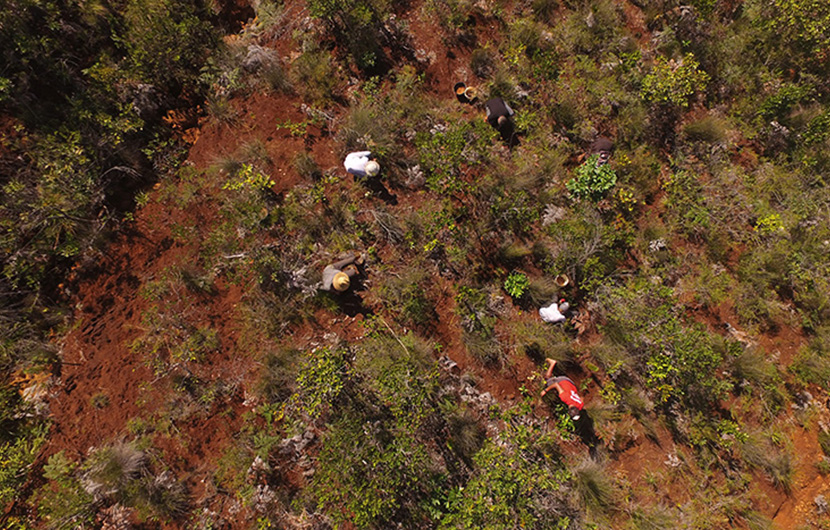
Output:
(172, 187)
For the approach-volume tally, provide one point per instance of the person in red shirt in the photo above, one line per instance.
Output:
(566, 390)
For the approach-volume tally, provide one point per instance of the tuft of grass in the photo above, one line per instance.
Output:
(110, 470)
(307, 167)
(466, 435)
(710, 129)
(760, 452)
(276, 78)
(222, 110)
(277, 376)
(595, 488)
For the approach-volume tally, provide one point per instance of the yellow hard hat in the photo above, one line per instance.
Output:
(341, 281)
(372, 168)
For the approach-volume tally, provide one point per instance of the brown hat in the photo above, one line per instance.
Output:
(341, 281)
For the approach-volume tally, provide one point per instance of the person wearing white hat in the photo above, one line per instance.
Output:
(361, 164)
(338, 276)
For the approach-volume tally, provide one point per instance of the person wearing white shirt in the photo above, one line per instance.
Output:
(361, 164)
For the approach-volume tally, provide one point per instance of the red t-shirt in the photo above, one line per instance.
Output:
(569, 395)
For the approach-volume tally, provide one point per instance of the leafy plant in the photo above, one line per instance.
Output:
(516, 284)
(674, 82)
(592, 180)
(248, 176)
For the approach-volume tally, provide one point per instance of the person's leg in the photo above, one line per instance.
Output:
(551, 364)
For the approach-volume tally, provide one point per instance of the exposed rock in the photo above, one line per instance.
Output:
(147, 102)
(821, 504)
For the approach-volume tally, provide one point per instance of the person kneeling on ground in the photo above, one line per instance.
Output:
(602, 147)
(565, 388)
(361, 164)
(338, 276)
(498, 115)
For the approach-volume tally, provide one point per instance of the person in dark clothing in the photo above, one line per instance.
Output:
(602, 147)
(498, 113)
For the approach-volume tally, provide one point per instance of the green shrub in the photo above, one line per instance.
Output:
(592, 181)
(479, 326)
(646, 320)
(516, 483)
(314, 72)
(516, 284)
(16, 456)
(407, 296)
(64, 504)
(387, 403)
(687, 204)
(444, 151)
(674, 82)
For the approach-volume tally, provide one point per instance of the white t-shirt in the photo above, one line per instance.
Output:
(551, 313)
(355, 163)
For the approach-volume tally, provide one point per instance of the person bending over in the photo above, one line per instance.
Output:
(565, 388)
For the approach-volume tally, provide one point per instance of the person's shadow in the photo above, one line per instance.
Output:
(509, 135)
(584, 428)
(379, 190)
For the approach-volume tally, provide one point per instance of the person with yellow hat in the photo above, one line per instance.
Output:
(338, 276)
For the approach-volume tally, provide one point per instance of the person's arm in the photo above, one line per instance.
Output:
(509, 110)
(348, 260)
(551, 387)
(328, 277)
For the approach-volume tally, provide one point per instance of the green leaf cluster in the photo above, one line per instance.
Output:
(592, 180)
(674, 82)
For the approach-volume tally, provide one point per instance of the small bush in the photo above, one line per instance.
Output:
(674, 82)
(516, 284)
(592, 181)
(407, 296)
(316, 75)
